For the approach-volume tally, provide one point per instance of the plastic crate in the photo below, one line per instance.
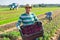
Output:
(32, 31)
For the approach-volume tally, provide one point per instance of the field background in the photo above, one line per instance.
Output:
(8, 16)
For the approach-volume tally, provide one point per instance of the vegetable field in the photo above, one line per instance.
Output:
(7, 16)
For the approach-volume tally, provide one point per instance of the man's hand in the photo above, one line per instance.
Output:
(19, 27)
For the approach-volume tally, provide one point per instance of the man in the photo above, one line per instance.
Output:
(27, 18)
(49, 16)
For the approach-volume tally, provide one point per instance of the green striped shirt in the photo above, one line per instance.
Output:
(27, 19)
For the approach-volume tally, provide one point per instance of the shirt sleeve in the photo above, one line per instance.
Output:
(35, 18)
(19, 22)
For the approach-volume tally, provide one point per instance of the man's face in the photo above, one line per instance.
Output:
(28, 9)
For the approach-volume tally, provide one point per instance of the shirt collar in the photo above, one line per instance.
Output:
(28, 14)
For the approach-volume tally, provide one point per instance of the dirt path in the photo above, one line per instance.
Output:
(8, 30)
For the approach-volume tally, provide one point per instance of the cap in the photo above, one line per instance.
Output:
(28, 5)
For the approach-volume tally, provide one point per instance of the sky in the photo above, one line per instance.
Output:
(7, 2)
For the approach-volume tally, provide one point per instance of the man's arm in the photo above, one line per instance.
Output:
(18, 23)
(35, 18)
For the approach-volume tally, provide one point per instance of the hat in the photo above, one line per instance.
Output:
(28, 5)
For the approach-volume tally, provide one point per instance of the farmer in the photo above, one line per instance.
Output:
(27, 18)
(49, 16)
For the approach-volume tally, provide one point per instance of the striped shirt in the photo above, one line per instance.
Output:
(27, 19)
